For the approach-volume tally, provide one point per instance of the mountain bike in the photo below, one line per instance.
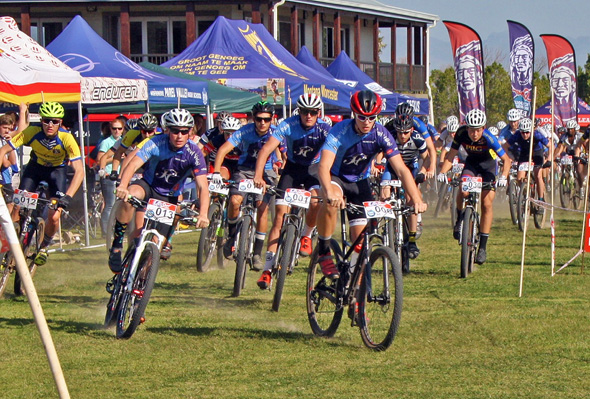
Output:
(370, 286)
(289, 241)
(30, 230)
(469, 238)
(537, 211)
(131, 289)
(569, 188)
(448, 191)
(212, 237)
(513, 190)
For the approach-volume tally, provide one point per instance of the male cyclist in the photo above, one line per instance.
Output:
(210, 146)
(51, 151)
(514, 116)
(304, 135)
(169, 159)
(249, 140)
(345, 166)
(482, 149)
(569, 141)
(407, 110)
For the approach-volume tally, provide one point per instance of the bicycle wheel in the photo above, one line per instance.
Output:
(324, 308)
(242, 242)
(30, 251)
(453, 205)
(285, 255)
(539, 216)
(443, 199)
(133, 303)
(208, 239)
(467, 242)
(565, 192)
(380, 299)
(513, 190)
(114, 300)
(577, 199)
(7, 265)
(522, 206)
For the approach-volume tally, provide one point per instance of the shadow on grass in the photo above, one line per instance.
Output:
(255, 333)
(68, 326)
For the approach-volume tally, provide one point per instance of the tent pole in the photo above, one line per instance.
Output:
(84, 182)
(209, 117)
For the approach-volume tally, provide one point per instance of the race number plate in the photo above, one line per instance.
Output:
(458, 168)
(298, 197)
(378, 209)
(25, 199)
(218, 188)
(247, 186)
(392, 183)
(160, 211)
(567, 160)
(471, 184)
(525, 166)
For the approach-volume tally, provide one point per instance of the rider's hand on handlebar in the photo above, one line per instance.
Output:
(429, 174)
(202, 222)
(64, 202)
(122, 193)
(259, 182)
(216, 178)
(441, 177)
(420, 207)
(502, 181)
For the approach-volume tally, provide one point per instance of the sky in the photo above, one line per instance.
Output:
(567, 18)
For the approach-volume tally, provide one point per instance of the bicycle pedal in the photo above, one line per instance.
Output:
(141, 320)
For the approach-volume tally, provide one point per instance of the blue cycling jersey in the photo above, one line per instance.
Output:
(249, 143)
(539, 142)
(303, 146)
(166, 169)
(505, 134)
(421, 128)
(354, 153)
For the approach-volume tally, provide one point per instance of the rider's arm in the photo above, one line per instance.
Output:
(117, 158)
(397, 163)
(203, 194)
(448, 161)
(104, 158)
(431, 168)
(221, 153)
(78, 177)
(129, 157)
(330, 193)
(128, 172)
(507, 162)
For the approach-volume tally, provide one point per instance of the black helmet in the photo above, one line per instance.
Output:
(405, 109)
(262, 107)
(147, 122)
(401, 123)
(424, 118)
(365, 102)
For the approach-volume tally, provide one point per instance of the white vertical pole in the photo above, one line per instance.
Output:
(552, 220)
(84, 182)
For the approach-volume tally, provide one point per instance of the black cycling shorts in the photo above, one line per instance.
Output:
(486, 169)
(294, 176)
(355, 193)
(163, 229)
(56, 178)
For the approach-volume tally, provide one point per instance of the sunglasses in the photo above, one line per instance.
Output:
(259, 119)
(116, 128)
(149, 131)
(184, 132)
(312, 112)
(51, 121)
(363, 118)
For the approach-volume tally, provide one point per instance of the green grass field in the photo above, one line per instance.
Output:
(458, 338)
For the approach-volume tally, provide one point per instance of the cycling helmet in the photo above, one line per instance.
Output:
(493, 130)
(262, 107)
(51, 109)
(222, 115)
(309, 101)
(147, 122)
(163, 120)
(525, 125)
(453, 125)
(475, 118)
(230, 123)
(424, 119)
(179, 117)
(131, 124)
(501, 125)
(405, 109)
(513, 115)
(452, 118)
(402, 122)
(295, 112)
(572, 124)
(366, 103)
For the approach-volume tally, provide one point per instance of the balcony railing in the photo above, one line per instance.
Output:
(153, 58)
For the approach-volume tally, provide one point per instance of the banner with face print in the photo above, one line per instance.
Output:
(469, 68)
(562, 71)
(522, 57)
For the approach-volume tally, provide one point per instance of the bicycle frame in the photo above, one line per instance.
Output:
(147, 235)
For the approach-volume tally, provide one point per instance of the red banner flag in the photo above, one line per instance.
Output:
(469, 67)
(561, 59)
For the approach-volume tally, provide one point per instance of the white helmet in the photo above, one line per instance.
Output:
(501, 125)
(475, 118)
(572, 124)
(179, 117)
(222, 115)
(327, 120)
(452, 118)
(452, 125)
(525, 125)
(230, 124)
(493, 130)
(514, 115)
(309, 101)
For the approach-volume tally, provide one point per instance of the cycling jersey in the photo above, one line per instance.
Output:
(432, 131)
(303, 146)
(231, 158)
(539, 142)
(421, 128)
(505, 134)
(47, 151)
(249, 143)
(569, 147)
(166, 169)
(354, 153)
(482, 150)
(411, 149)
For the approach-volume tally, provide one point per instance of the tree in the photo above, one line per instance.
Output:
(498, 92)
(444, 94)
(584, 81)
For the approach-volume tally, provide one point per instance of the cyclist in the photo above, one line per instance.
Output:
(452, 127)
(500, 126)
(420, 127)
(514, 116)
(569, 140)
(482, 150)
(216, 130)
(430, 127)
(210, 146)
(304, 135)
(523, 141)
(410, 144)
(51, 151)
(345, 166)
(249, 140)
(169, 159)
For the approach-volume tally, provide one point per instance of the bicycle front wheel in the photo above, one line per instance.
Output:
(285, 256)
(241, 255)
(30, 251)
(513, 190)
(133, 303)
(324, 307)
(208, 239)
(380, 299)
(522, 199)
(114, 300)
(468, 244)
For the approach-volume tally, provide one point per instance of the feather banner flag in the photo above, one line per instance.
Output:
(522, 60)
(561, 59)
(469, 67)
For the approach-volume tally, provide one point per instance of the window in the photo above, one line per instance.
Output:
(157, 40)
(285, 35)
(43, 31)
(328, 42)
(345, 40)
(202, 26)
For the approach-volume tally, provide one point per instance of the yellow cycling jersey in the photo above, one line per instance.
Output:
(134, 138)
(46, 151)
